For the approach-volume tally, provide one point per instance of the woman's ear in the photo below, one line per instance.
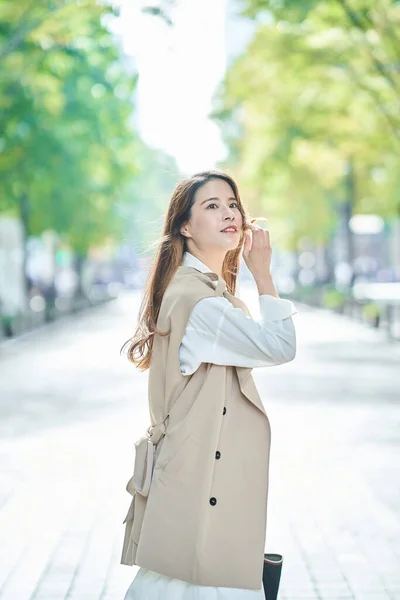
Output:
(184, 231)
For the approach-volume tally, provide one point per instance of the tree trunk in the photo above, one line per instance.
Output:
(329, 261)
(79, 262)
(24, 212)
(347, 212)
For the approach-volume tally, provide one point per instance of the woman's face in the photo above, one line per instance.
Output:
(214, 209)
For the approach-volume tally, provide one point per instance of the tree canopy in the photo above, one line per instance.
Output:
(311, 103)
(65, 118)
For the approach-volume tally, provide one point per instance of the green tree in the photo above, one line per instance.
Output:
(149, 192)
(310, 118)
(65, 134)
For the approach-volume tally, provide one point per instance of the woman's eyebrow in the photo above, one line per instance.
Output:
(216, 198)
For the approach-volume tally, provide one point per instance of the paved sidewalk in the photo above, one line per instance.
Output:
(71, 407)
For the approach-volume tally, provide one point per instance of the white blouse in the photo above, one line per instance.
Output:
(219, 333)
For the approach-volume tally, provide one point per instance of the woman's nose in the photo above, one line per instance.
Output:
(229, 212)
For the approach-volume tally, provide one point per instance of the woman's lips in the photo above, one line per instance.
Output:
(230, 231)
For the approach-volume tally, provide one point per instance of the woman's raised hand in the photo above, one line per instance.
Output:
(257, 251)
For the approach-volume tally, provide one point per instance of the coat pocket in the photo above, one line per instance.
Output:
(178, 456)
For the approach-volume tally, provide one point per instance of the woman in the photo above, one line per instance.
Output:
(198, 531)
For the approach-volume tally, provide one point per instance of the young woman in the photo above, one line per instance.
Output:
(198, 530)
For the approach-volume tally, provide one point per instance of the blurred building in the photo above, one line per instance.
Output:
(12, 283)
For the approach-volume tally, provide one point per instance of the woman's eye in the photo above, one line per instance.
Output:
(213, 204)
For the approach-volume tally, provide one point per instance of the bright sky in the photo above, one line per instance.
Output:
(179, 69)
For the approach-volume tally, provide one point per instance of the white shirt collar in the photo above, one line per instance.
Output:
(189, 260)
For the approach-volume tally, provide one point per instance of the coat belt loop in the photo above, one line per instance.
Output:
(156, 432)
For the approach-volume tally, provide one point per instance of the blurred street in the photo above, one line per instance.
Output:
(71, 408)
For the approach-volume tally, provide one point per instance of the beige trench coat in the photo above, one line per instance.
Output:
(204, 520)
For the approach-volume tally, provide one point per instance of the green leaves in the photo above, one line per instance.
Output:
(290, 10)
(317, 88)
(65, 107)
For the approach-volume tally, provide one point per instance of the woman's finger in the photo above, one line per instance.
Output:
(261, 238)
(254, 227)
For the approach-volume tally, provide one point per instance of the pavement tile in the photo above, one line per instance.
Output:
(372, 596)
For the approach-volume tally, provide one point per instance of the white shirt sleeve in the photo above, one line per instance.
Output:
(220, 333)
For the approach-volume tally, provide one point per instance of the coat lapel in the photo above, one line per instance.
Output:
(248, 388)
(246, 382)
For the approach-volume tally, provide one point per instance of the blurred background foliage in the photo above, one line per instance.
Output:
(65, 100)
(310, 113)
(71, 162)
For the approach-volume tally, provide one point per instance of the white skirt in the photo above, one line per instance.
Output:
(149, 585)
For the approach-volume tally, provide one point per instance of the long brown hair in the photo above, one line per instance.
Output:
(169, 256)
